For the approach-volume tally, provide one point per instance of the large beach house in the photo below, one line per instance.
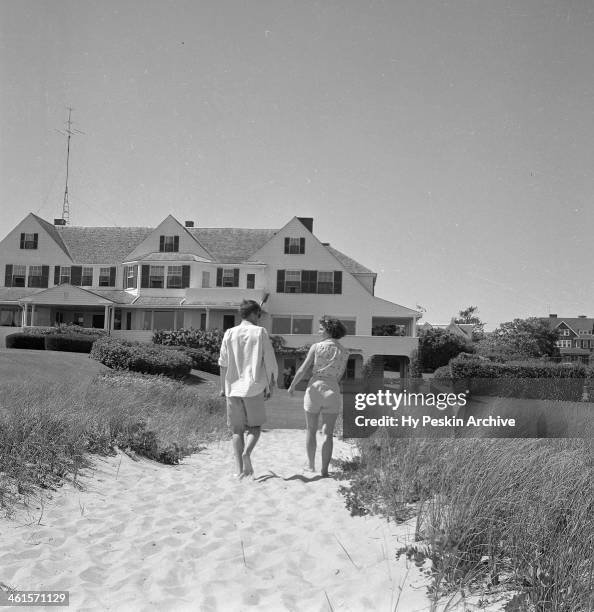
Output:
(134, 280)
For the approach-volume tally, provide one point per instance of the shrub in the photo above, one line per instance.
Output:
(209, 340)
(437, 347)
(201, 358)
(527, 379)
(74, 344)
(64, 328)
(139, 357)
(25, 341)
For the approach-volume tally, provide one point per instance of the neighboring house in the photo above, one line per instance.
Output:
(134, 280)
(462, 330)
(576, 337)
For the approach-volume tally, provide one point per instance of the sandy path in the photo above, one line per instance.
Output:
(145, 536)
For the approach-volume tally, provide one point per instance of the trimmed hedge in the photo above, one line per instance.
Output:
(65, 328)
(74, 344)
(201, 359)
(25, 341)
(529, 380)
(140, 357)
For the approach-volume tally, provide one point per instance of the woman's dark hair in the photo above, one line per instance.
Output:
(333, 327)
(247, 307)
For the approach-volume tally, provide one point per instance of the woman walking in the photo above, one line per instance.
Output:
(322, 396)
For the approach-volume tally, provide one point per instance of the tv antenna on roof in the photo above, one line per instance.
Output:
(68, 132)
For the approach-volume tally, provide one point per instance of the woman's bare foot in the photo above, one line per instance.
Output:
(248, 468)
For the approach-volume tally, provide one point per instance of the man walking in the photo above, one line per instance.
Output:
(248, 374)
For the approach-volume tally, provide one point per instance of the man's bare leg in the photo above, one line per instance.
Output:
(253, 435)
(311, 422)
(238, 447)
(328, 422)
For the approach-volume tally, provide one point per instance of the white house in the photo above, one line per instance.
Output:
(134, 280)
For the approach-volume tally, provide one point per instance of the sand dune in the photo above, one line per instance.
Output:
(144, 536)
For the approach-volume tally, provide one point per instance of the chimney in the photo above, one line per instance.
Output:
(552, 316)
(189, 223)
(325, 244)
(308, 222)
(582, 317)
(59, 222)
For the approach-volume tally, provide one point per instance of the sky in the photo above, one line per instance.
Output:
(445, 144)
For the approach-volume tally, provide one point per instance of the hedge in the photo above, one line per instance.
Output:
(65, 328)
(25, 341)
(74, 344)
(140, 357)
(201, 359)
(202, 346)
(529, 380)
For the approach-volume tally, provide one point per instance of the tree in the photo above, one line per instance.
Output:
(530, 338)
(470, 316)
(437, 347)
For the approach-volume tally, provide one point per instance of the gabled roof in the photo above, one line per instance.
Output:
(354, 267)
(53, 232)
(14, 294)
(232, 244)
(101, 245)
(171, 257)
(574, 323)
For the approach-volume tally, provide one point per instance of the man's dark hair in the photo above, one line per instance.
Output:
(247, 307)
(333, 327)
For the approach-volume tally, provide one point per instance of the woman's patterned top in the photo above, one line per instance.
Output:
(330, 359)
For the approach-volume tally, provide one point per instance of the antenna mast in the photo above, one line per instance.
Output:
(68, 132)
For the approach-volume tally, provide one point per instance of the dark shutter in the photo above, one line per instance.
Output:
(161, 243)
(75, 275)
(56, 275)
(337, 281)
(22, 241)
(309, 281)
(176, 244)
(185, 277)
(144, 279)
(301, 246)
(219, 277)
(280, 281)
(112, 276)
(44, 276)
(35, 240)
(236, 277)
(135, 277)
(8, 276)
(287, 240)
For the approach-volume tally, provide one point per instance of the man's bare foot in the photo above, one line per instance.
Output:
(248, 469)
(325, 474)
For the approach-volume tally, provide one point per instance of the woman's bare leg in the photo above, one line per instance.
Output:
(311, 421)
(328, 422)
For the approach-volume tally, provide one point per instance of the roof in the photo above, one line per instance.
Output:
(115, 295)
(158, 301)
(97, 245)
(103, 245)
(231, 244)
(575, 323)
(14, 294)
(171, 257)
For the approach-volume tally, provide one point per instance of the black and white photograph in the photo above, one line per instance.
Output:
(297, 305)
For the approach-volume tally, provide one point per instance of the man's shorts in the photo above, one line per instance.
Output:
(322, 397)
(246, 411)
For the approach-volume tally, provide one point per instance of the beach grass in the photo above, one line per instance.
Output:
(516, 514)
(48, 429)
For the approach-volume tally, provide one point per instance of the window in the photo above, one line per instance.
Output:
(29, 241)
(105, 277)
(251, 281)
(325, 282)
(309, 281)
(205, 279)
(86, 280)
(564, 332)
(228, 322)
(18, 276)
(350, 323)
(293, 281)
(169, 244)
(294, 246)
(564, 343)
(202, 321)
(227, 277)
(174, 277)
(164, 319)
(292, 324)
(156, 277)
(64, 274)
(130, 275)
(34, 276)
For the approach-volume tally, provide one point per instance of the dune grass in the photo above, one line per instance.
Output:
(48, 429)
(517, 513)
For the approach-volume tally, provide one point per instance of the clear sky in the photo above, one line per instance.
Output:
(447, 145)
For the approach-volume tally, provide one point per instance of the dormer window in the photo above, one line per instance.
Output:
(227, 277)
(29, 241)
(169, 244)
(294, 246)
